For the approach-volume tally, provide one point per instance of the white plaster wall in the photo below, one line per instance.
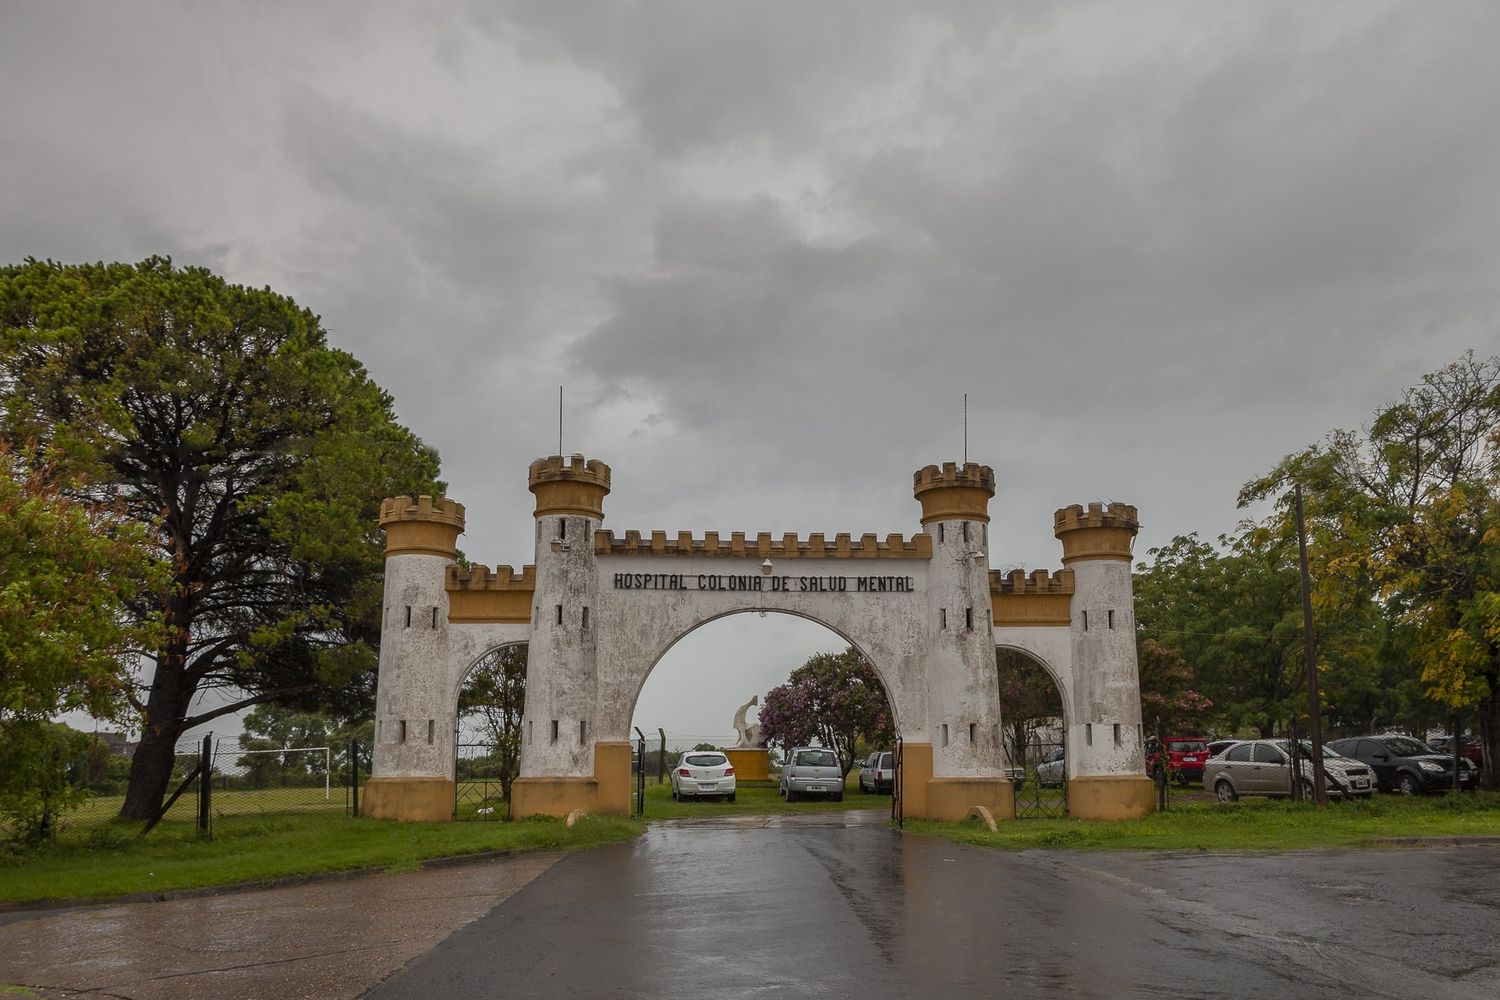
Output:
(562, 674)
(889, 628)
(414, 672)
(963, 689)
(1106, 685)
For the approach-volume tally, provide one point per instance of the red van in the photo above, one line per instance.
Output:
(1186, 756)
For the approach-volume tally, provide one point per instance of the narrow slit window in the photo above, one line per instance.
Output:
(1088, 733)
(562, 527)
(379, 730)
(408, 616)
(530, 731)
(1117, 734)
(965, 529)
(431, 730)
(940, 531)
(969, 619)
(434, 617)
(554, 730)
(585, 616)
(942, 618)
(1111, 614)
(583, 732)
(1085, 621)
(945, 734)
(401, 731)
(559, 614)
(972, 730)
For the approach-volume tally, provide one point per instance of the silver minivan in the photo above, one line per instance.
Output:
(812, 771)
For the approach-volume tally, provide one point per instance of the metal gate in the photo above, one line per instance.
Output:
(1042, 793)
(477, 791)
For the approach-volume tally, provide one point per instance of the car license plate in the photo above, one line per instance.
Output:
(1361, 783)
(815, 788)
(706, 784)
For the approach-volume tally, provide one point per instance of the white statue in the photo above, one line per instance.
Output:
(749, 731)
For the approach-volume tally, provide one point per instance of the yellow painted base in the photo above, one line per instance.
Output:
(953, 798)
(413, 800)
(612, 772)
(552, 796)
(750, 763)
(1111, 798)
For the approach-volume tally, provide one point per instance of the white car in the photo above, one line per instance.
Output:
(1051, 772)
(703, 772)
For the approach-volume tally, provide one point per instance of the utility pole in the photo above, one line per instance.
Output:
(1309, 647)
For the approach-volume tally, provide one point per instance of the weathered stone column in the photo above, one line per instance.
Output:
(962, 760)
(412, 770)
(1106, 766)
(563, 767)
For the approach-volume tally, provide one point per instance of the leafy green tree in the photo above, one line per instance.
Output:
(1408, 513)
(255, 455)
(68, 570)
(495, 690)
(1234, 616)
(835, 698)
(705, 746)
(43, 773)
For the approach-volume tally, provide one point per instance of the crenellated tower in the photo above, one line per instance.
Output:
(413, 722)
(963, 715)
(559, 732)
(1106, 766)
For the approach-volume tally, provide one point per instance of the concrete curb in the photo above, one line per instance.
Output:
(1438, 840)
(84, 902)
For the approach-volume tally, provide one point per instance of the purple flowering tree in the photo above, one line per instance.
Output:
(835, 699)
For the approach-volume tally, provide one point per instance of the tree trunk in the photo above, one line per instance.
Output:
(1489, 735)
(151, 766)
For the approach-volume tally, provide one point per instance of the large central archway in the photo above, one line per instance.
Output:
(599, 610)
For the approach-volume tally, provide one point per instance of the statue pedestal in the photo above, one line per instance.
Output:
(750, 763)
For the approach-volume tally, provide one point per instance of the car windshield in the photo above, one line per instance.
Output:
(706, 759)
(817, 758)
(1406, 746)
(1305, 749)
(1186, 746)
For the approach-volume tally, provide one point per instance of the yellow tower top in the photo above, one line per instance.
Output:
(1099, 532)
(954, 492)
(569, 486)
(425, 526)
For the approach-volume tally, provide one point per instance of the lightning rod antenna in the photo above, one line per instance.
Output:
(559, 420)
(966, 428)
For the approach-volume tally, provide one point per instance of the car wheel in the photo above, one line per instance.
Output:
(1225, 792)
(729, 797)
(1182, 779)
(791, 796)
(839, 797)
(674, 796)
(1408, 784)
(1307, 790)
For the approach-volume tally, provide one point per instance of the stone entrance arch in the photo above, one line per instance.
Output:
(598, 610)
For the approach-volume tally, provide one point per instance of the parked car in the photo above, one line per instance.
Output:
(812, 771)
(703, 773)
(1052, 771)
(878, 773)
(1470, 747)
(1264, 767)
(1185, 758)
(1407, 765)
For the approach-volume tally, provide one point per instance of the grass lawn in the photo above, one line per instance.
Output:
(1247, 825)
(110, 859)
(755, 798)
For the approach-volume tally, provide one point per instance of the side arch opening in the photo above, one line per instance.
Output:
(489, 706)
(1034, 715)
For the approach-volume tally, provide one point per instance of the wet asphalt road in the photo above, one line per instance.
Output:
(787, 908)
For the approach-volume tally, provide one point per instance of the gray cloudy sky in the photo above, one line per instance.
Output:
(769, 246)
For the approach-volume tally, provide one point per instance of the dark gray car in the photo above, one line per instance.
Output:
(1406, 765)
(812, 771)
